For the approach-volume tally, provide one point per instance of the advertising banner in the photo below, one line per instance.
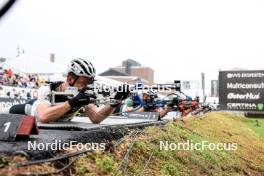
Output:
(241, 90)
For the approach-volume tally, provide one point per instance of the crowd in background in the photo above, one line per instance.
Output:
(9, 78)
(20, 85)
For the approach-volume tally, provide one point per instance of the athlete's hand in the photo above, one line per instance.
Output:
(79, 100)
(121, 94)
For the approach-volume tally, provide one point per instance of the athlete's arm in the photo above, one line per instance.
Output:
(96, 114)
(48, 113)
(165, 111)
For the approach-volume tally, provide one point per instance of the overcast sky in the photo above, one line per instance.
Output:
(179, 39)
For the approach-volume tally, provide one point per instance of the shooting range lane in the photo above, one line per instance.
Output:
(80, 130)
(84, 123)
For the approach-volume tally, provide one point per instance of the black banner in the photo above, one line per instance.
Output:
(241, 90)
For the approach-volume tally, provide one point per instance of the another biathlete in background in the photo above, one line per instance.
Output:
(146, 104)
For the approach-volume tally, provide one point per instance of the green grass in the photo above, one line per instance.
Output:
(248, 159)
(106, 163)
(169, 169)
(256, 124)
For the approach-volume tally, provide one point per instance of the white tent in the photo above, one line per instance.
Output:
(33, 66)
(51, 71)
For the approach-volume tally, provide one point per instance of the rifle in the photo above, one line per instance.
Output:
(94, 91)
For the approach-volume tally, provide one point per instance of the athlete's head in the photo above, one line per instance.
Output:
(80, 73)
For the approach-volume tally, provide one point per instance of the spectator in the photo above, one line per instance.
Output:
(8, 94)
(28, 95)
(9, 73)
(40, 81)
(4, 79)
(23, 94)
(1, 91)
